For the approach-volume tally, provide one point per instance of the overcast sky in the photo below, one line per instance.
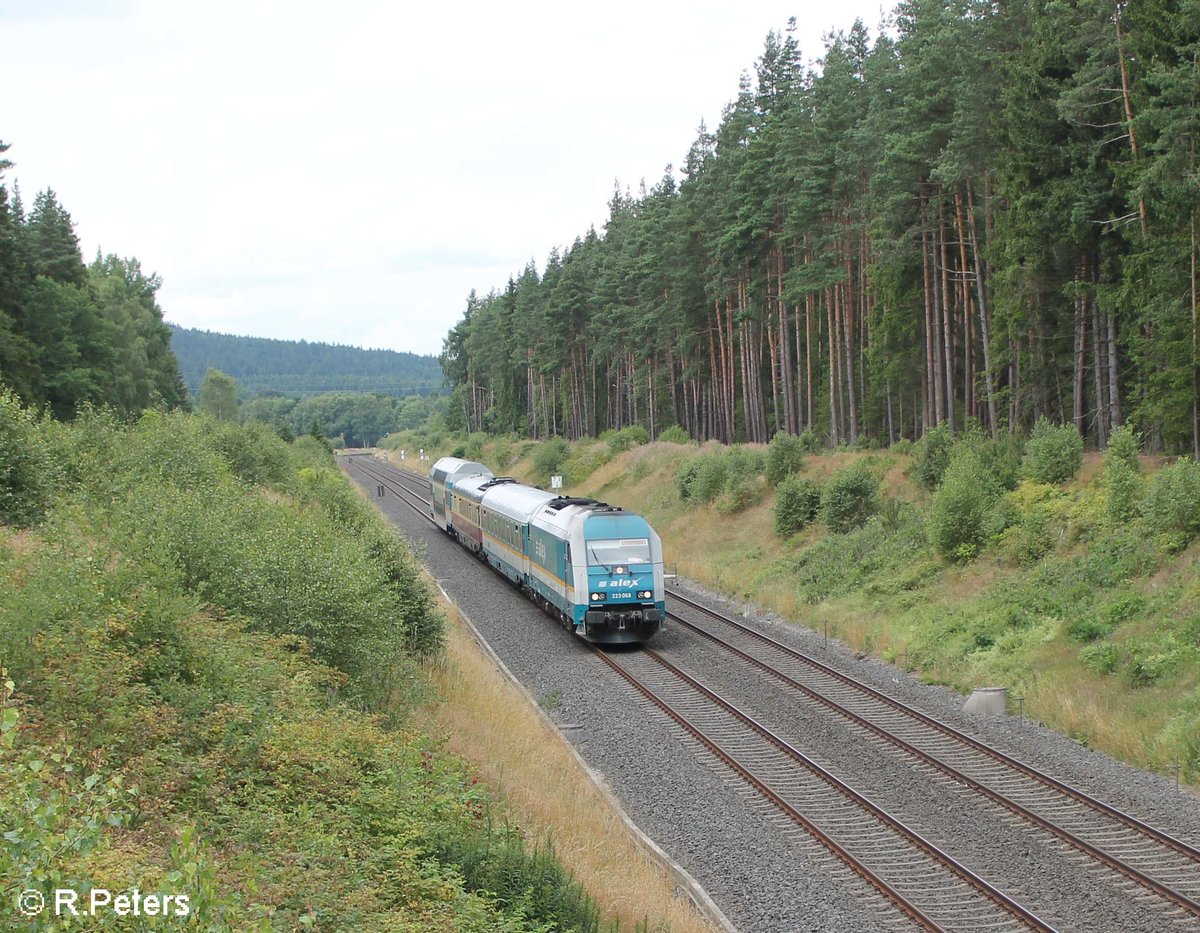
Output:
(349, 171)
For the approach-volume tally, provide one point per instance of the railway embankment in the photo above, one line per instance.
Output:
(1080, 597)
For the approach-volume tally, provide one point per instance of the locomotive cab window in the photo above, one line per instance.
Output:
(607, 552)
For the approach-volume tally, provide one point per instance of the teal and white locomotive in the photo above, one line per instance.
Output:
(595, 567)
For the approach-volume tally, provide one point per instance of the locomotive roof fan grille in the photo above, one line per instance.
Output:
(561, 502)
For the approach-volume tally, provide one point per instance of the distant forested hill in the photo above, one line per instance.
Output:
(298, 368)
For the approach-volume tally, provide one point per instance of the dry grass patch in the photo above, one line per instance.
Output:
(1089, 470)
(779, 595)
(962, 584)
(488, 721)
(20, 543)
(896, 484)
(1099, 714)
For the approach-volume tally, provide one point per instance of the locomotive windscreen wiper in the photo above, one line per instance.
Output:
(595, 559)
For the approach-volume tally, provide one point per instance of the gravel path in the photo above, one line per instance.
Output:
(759, 869)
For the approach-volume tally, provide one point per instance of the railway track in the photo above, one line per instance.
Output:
(1155, 861)
(398, 481)
(922, 881)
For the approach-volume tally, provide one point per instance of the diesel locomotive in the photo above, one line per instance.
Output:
(595, 567)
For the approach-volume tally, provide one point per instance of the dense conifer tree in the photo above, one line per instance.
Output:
(988, 215)
(72, 334)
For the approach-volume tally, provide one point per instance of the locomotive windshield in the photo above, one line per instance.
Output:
(609, 552)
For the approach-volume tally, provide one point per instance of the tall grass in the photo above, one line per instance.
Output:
(489, 722)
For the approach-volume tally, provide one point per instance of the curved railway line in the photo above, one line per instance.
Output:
(921, 880)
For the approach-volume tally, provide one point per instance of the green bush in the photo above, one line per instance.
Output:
(729, 473)
(1054, 453)
(1024, 542)
(473, 448)
(1171, 507)
(712, 472)
(308, 452)
(628, 437)
(585, 460)
(1088, 628)
(958, 520)
(685, 478)
(849, 498)
(932, 457)
(1101, 658)
(1002, 458)
(502, 453)
(27, 470)
(785, 455)
(1117, 558)
(809, 442)
(1097, 622)
(354, 598)
(174, 448)
(873, 559)
(745, 461)
(550, 456)
(254, 451)
(1121, 475)
(741, 491)
(674, 435)
(1182, 733)
(1122, 608)
(1123, 447)
(522, 880)
(1153, 661)
(1027, 521)
(797, 502)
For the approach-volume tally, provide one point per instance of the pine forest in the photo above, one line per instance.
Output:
(71, 333)
(987, 214)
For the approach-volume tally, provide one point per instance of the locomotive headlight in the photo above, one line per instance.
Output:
(620, 571)
(596, 597)
(646, 594)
